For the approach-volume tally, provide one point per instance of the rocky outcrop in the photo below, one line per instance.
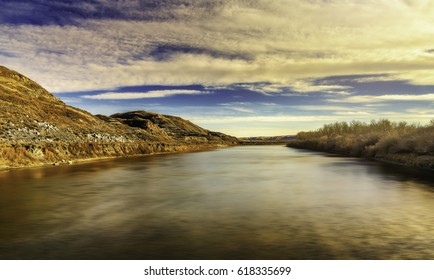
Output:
(171, 128)
(36, 128)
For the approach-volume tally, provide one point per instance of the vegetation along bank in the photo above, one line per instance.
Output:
(398, 142)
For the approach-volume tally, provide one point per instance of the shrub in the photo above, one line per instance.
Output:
(376, 138)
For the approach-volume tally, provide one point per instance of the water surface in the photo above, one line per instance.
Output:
(248, 202)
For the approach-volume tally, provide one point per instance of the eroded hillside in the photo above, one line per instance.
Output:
(36, 128)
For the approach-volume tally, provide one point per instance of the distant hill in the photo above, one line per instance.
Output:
(170, 127)
(266, 140)
(36, 128)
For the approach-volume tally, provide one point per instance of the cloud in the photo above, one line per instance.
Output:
(139, 95)
(309, 85)
(242, 110)
(282, 44)
(262, 119)
(241, 107)
(356, 114)
(418, 77)
(6, 54)
(388, 97)
(168, 51)
(266, 89)
(19, 12)
(414, 77)
(323, 108)
(378, 78)
(419, 111)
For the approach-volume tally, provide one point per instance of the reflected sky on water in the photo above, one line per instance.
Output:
(248, 202)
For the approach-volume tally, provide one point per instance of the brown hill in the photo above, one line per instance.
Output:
(170, 127)
(36, 128)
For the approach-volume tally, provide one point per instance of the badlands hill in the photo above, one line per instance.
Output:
(36, 128)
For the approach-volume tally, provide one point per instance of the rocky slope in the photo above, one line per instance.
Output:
(36, 128)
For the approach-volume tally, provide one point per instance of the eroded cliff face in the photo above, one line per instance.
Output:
(171, 128)
(36, 128)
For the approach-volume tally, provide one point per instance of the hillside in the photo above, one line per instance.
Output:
(170, 127)
(36, 128)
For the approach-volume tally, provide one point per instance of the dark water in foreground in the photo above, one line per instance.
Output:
(261, 202)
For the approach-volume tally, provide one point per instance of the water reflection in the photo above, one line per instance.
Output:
(262, 202)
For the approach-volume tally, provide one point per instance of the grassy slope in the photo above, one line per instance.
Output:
(398, 142)
(36, 128)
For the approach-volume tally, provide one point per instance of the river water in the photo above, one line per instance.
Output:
(248, 202)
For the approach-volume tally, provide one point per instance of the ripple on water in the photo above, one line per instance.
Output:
(262, 202)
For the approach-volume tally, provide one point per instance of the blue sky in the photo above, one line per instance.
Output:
(242, 67)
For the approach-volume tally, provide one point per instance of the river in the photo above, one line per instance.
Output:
(246, 202)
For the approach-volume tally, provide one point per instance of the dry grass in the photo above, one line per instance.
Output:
(32, 154)
(375, 139)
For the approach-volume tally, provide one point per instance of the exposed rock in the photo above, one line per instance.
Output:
(36, 128)
(170, 127)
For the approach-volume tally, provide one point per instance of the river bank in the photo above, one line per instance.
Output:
(408, 159)
(398, 143)
(17, 156)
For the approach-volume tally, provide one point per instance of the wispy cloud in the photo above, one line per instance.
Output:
(105, 44)
(421, 111)
(139, 95)
(377, 78)
(73, 12)
(387, 97)
(309, 85)
(263, 119)
(323, 108)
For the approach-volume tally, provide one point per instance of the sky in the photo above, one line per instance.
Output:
(242, 67)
